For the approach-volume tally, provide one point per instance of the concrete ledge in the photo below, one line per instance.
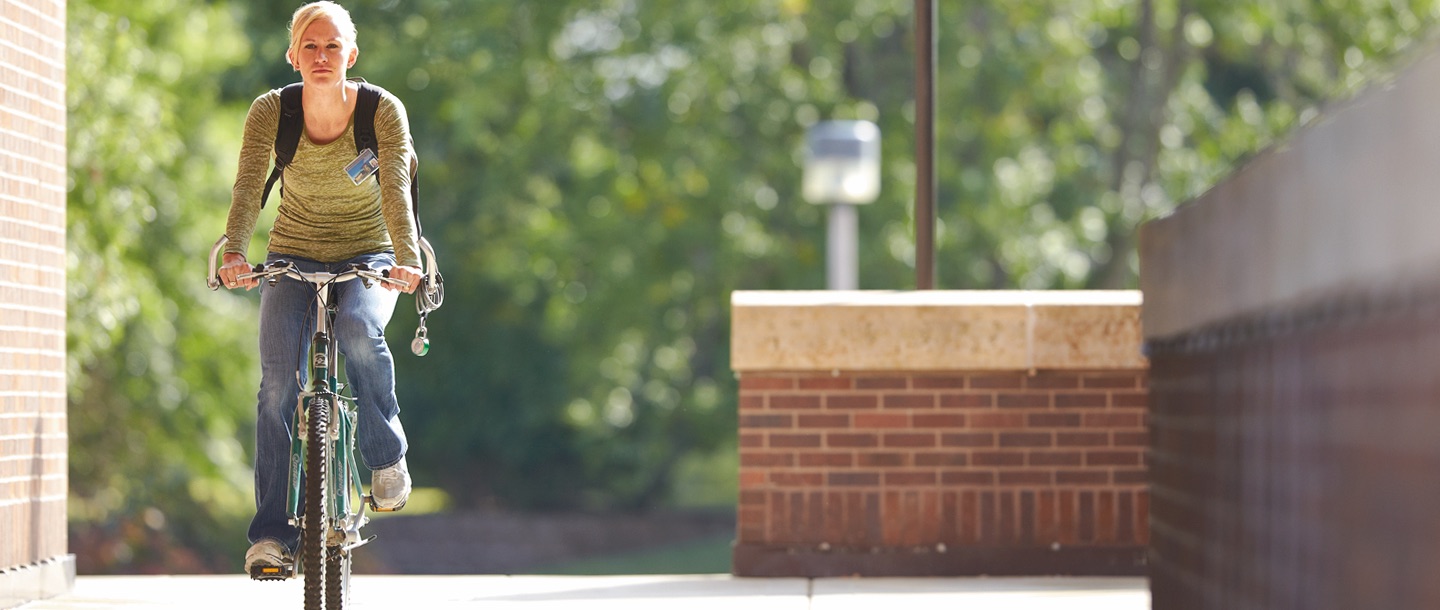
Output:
(758, 560)
(935, 330)
(44, 580)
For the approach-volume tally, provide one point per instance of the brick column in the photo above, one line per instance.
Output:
(940, 433)
(33, 445)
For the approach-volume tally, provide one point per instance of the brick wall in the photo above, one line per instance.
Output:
(1292, 316)
(33, 442)
(1296, 468)
(1009, 470)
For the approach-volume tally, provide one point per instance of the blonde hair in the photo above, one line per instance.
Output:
(306, 15)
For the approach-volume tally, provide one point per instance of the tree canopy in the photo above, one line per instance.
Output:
(598, 177)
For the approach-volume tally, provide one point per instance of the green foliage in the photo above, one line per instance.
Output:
(156, 362)
(1064, 126)
(590, 249)
(598, 176)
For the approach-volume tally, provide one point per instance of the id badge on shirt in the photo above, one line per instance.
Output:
(364, 166)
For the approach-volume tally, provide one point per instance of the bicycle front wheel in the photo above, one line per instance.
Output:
(312, 543)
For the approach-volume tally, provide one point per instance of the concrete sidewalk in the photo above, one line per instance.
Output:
(690, 592)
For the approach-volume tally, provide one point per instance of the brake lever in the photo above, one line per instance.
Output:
(385, 273)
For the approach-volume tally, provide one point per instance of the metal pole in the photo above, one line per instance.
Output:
(842, 247)
(925, 55)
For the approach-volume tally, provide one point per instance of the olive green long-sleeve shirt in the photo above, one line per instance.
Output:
(323, 215)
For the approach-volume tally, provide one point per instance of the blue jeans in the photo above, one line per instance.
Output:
(287, 322)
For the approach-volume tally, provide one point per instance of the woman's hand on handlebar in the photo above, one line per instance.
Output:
(404, 273)
(235, 265)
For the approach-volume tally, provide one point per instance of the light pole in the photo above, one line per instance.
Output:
(842, 170)
(925, 185)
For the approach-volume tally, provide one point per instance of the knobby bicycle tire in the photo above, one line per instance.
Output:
(337, 559)
(337, 577)
(317, 447)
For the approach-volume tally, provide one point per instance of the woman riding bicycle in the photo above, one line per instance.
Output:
(327, 221)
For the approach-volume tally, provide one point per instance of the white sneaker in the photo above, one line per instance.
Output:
(390, 487)
(268, 559)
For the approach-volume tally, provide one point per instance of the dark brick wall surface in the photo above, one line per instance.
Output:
(1296, 462)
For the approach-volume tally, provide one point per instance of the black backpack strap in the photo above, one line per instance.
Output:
(287, 136)
(365, 108)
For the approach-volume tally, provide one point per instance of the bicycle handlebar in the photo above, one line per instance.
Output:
(432, 283)
(287, 268)
(428, 297)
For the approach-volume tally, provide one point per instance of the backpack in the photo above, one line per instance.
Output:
(292, 125)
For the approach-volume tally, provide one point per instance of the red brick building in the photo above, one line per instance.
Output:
(33, 550)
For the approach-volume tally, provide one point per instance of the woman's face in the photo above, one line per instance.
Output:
(324, 54)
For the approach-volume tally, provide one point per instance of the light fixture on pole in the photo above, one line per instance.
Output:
(842, 170)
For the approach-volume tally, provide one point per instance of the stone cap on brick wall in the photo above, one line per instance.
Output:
(935, 330)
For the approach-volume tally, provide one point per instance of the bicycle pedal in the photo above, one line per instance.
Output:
(285, 572)
(370, 501)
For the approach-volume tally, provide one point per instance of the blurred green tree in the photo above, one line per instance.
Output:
(156, 362)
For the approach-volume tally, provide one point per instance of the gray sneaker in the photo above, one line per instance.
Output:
(268, 560)
(390, 487)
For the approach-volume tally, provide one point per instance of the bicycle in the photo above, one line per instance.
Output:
(323, 434)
